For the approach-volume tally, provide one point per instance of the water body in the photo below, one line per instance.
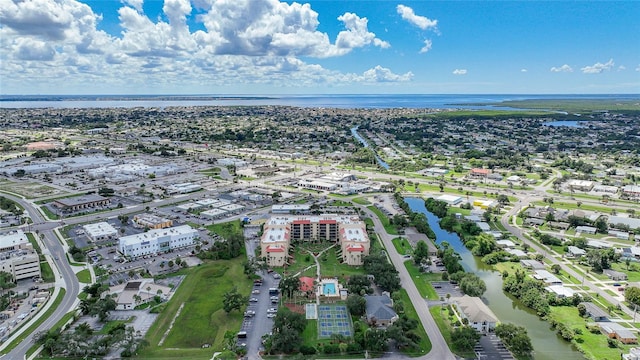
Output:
(567, 123)
(354, 132)
(546, 344)
(440, 101)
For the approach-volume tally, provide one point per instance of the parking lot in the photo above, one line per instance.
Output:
(260, 312)
(491, 348)
(31, 297)
(443, 288)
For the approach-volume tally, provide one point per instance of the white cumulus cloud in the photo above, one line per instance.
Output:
(460, 72)
(136, 4)
(597, 68)
(422, 22)
(426, 47)
(563, 68)
(357, 33)
(523, 70)
(381, 74)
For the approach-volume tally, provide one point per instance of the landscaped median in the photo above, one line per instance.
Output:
(34, 325)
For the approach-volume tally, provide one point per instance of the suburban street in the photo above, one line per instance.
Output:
(440, 349)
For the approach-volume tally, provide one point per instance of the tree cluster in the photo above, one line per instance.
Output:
(515, 338)
(82, 342)
(531, 292)
(95, 304)
(385, 274)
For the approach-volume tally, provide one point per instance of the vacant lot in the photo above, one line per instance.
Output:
(202, 319)
(31, 190)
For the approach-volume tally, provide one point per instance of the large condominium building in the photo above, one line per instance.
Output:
(349, 231)
(17, 256)
(157, 241)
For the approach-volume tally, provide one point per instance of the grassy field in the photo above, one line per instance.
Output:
(84, 276)
(402, 246)
(410, 312)
(36, 323)
(32, 190)
(202, 319)
(423, 281)
(361, 201)
(226, 229)
(594, 346)
(574, 206)
(575, 105)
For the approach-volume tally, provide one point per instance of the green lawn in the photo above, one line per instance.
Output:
(410, 312)
(594, 346)
(202, 319)
(112, 324)
(402, 246)
(47, 273)
(84, 276)
(36, 323)
(440, 317)
(48, 213)
(226, 229)
(423, 281)
(384, 220)
(361, 201)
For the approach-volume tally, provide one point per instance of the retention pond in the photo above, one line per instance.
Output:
(546, 344)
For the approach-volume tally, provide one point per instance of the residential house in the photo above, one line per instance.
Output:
(618, 332)
(595, 312)
(379, 310)
(575, 252)
(615, 275)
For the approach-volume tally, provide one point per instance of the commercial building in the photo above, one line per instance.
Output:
(183, 188)
(151, 221)
(349, 231)
(100, 231)
(14, 240)
(17, 256)
(21, 265)
(134, 293)
(81, 202)
(581, 185)
(157, 241)
(631, 190)
(480, 173)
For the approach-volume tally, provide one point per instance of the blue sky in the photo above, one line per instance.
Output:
(355, 47)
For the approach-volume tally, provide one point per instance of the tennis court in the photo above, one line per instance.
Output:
(334, 319)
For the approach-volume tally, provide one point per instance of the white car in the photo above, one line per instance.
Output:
(256, 291)
(272, 310)
(253, 300)
(271, 315)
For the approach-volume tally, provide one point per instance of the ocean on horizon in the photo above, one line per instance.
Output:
(444, 101)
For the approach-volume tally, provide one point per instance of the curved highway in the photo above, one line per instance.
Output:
(65, 277)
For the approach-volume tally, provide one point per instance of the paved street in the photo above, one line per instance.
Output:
(440, 349)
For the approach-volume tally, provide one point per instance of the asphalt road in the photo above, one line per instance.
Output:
(440, 349)
(66, 278)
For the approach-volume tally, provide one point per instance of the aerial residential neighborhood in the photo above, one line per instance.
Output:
(418, 243)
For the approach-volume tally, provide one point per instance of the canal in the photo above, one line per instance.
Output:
(546, 344)
(354, 132)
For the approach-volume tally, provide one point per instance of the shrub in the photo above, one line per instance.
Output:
(307, 350)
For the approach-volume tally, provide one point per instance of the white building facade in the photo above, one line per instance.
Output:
(157, 241)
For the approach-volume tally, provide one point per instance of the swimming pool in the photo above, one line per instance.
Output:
(329, 289)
